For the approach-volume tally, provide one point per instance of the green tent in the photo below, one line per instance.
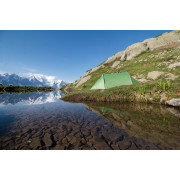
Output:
(107, 81)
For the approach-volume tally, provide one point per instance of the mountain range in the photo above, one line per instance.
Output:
(31, 80)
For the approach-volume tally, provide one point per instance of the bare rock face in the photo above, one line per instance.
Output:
(163, 40)
(174, 102)
(148, 44)
(96, 68)
(115, 56)
(83, 80)
(174, 65)
(134, 50)
(155, 74)
(151, 44)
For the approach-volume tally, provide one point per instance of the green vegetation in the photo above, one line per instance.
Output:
(15, 89)
(164, 86)
(149, 92)
(143, 64)
(154, 91)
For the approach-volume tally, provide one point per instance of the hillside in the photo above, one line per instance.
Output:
(148, 62)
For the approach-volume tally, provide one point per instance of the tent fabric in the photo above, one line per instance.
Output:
(107, 81)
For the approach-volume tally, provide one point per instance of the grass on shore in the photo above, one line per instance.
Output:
(153, 92)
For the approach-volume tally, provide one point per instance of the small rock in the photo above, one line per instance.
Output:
(171, 76)
(155, 74)
(163, 97)
(174, 65)
(141, 76)
(143, 80)
(174, 102)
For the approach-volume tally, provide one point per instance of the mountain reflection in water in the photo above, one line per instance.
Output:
(43, 121)
(30, 98)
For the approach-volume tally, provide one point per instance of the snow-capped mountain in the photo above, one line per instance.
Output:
(31, 80)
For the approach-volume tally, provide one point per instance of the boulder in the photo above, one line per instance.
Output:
(174, 65)
(174, 102)
(134, 50)
(116, 63)
(155, 74)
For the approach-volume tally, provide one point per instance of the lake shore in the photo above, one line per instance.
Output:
(153, 93)
(23, 89)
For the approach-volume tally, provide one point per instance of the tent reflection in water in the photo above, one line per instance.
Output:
(107, 81)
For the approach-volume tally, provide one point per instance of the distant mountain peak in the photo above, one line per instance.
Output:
(31, 80)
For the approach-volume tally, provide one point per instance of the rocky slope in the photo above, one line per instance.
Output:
(169, 40)
(154, 62)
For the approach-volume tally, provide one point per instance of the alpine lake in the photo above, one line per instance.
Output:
(41, 121)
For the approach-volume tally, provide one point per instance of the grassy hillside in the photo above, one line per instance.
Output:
(148, 61)
(157, 90)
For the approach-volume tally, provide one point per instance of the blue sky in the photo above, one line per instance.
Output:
(64, 54)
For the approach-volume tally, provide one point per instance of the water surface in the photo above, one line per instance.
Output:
(43, 121)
